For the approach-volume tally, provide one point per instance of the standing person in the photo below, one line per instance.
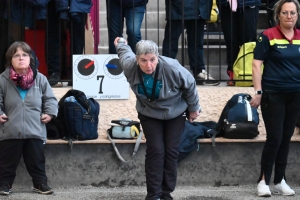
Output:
(238, 26)
(13, 23)
(74, 13)
(27, 103)
(131, 10)
(164, 91)
(194, 15)
(278, 93)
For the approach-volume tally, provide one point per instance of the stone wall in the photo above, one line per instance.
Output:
(229, 162)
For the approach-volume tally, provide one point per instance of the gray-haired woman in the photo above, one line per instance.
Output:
(164, 90)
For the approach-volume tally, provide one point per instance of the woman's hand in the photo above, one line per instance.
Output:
(45, 118)
(256, 79)
(3, 118)
(255, 101)
(193, 115)
(117, 39)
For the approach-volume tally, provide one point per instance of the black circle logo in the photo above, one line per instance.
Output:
(113, 67)
(86, 67)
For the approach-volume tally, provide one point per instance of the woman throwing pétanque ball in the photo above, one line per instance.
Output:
(165, 90)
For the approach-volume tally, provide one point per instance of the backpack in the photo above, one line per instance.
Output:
(238, 119)
(81, 118)
(88, 109)
(242, 67)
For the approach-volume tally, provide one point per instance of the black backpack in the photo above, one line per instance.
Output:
(238, 119)
(59, 127)
(81, 118)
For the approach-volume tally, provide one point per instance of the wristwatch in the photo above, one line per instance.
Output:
(258, 92)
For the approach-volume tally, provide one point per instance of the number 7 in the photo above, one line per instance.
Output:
(101, 82)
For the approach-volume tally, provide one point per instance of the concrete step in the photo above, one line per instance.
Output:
(226, 164)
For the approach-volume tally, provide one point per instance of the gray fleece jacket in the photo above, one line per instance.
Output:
(24, 115)
(178, 86)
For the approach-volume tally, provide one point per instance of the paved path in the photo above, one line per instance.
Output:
(138, 193)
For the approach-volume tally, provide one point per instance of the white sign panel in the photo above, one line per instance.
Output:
(100, 76)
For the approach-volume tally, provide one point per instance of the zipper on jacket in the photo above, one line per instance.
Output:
(23, 102)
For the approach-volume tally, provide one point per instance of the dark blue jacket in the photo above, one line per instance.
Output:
(37, 3)
(75, 6)
(72, 8)
(192, 132)
(193, 9)
(40, 7)
(131, 3)
(16, 7)
(241, 3)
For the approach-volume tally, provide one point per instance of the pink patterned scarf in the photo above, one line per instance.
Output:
(25, 81)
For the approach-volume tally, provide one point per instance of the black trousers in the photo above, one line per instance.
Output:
(238, 27)
(163, 141)
(33, 155)
(280, 112)
(54, 31)
(195, 36)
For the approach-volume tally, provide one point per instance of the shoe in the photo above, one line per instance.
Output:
(204, 75)
(230, 74)
(211, 82)
(4, 190)
(263, 190)
(207, 77)
(166, 197)
(42, 189)
(230, 83)
(283, 189)
(53, 79)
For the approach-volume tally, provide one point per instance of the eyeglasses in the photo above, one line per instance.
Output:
(18, 56)
(292, 13)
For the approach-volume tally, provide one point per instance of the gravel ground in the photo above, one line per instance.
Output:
(138, 193)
